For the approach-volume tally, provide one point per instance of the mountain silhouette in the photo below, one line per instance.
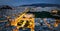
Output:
(43, 5)
(5, 7)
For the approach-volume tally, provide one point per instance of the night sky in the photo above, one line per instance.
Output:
(24, 2)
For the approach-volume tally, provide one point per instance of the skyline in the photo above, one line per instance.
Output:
(26, 2)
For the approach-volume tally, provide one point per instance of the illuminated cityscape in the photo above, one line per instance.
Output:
(30, 17)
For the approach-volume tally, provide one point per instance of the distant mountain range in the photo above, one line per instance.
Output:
(43, 5)
(5, 7)
(36, 5)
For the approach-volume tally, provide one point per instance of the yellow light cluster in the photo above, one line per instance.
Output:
(28, 17)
